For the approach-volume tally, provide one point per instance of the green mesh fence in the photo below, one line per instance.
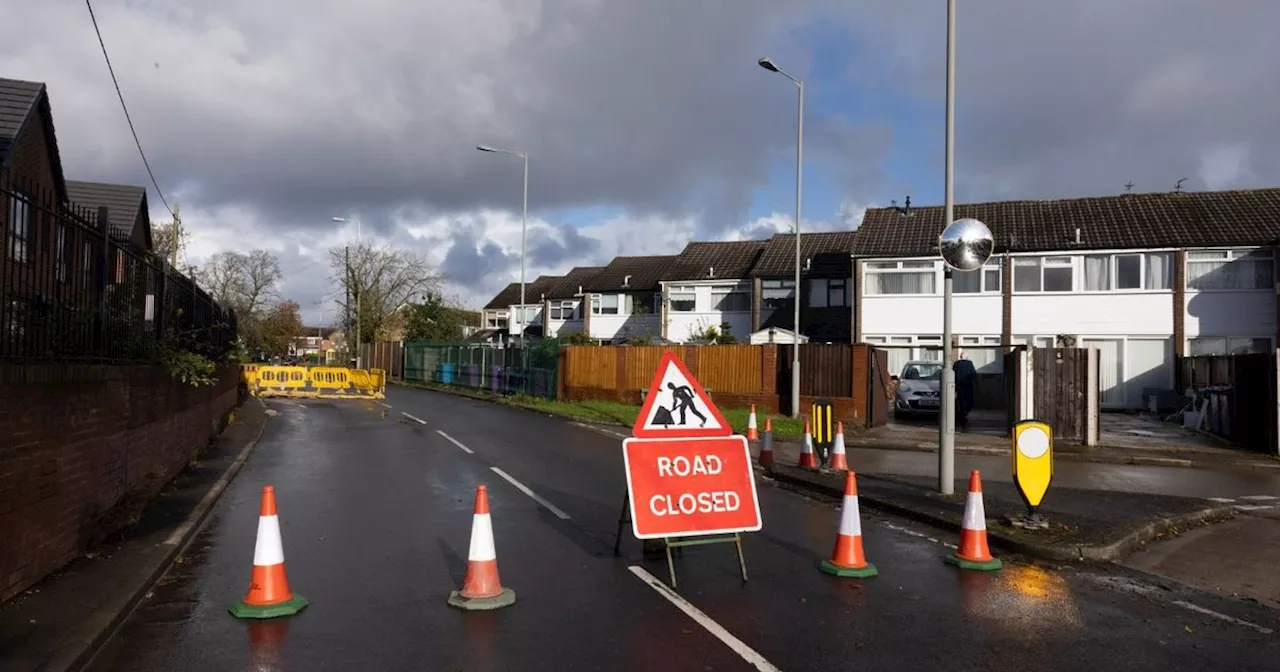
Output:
(529, 371)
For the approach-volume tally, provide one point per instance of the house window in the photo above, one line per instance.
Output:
(605, 304)
(775, 295)
(1227, 345)
(562, 310)
(1042, 274)
(827, 292)
(682, 299)
(983, 280)
(1229, 269)
(497, 320)
(1106, 272)
(901, 277)
(21, 218)
(729, 300)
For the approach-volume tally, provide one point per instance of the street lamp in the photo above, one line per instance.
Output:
(946, 415)
(524, 225)
(359, 291)
(769, 65)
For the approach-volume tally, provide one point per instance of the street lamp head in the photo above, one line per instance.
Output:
(485, 148)
(340, 220)
(767, 64)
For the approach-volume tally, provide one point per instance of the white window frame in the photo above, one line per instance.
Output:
(687, 294)
(921, 268)
(1231, 344)
(986, 285)
(1042, 263)
(598, 307)
(821, 290)
(558, 309)
(1113, 271)
(1261, 256)
(721, 292)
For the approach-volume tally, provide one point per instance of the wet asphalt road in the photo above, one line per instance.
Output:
(376, 511)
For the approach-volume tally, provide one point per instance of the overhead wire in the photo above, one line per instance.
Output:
(125, 107)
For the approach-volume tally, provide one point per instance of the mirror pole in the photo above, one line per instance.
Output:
(946, 415)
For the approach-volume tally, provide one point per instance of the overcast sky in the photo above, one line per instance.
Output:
(648, 123)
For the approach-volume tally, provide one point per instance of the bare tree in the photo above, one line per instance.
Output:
(378, 280)
(248, 283)
(262, 275)
(223, 276)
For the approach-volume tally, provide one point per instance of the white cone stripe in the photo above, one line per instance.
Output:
(838, 448)
(751, 421)
(850, 517)
(807, 445)
(481, 539)
(268, 550)
(975, 516)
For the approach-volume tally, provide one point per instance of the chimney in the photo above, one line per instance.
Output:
(626, 281)
(1077, 235)
(579, 290)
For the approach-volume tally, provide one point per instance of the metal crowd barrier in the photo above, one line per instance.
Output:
(314, 382)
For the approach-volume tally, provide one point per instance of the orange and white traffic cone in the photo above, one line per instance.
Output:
(752, 434)
(807, 459)
(766, 445)
(847, 559)
(838, 460)
(269, 595)
(973, 552)
(481, 589)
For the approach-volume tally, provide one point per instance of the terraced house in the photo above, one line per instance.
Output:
(1140, 277)
(707, 291)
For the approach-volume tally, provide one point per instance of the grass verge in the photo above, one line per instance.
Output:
(611, 412)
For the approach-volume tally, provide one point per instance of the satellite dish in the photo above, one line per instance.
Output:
(966, 244)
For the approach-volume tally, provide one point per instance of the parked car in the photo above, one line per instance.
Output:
(918, 389)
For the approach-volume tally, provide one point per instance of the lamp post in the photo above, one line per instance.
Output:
(947, 415)
(358, 292)
(769, 65)
(524, 226)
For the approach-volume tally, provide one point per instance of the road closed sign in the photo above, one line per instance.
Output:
(683, 487)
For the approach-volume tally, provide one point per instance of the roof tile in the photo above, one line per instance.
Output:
(779, 257)
(727, 259)
(644, 274)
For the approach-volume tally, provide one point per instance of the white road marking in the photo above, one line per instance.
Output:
(532, 495)
(1260, 498)
(384, 404)
(1230, 619)
(601, 430)
(418, 420)
(456, 443)
(1221, 500)
(745, 652)
(913, 533)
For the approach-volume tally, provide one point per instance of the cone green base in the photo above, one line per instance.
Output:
(987, 566)
(504, 599)
(287, 608)
(828, 567)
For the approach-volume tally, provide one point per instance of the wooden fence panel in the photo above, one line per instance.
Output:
(641, 362)
(826, 370)
(1061, 377)
(591, 366)
(730, 368)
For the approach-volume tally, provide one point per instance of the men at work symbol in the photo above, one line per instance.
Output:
(682, 402)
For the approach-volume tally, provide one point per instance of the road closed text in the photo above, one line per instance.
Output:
(691, 486)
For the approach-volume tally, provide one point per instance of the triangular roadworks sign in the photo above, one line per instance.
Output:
(677, 406)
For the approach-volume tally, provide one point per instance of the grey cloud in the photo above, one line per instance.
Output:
(471, 262)
(547, 250)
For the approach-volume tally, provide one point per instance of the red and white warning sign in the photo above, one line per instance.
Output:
(691, 486)
(687, 473)
(676, 405)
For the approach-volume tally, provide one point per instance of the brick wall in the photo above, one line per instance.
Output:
(83, 447)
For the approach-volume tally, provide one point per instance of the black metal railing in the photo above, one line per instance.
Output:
(72, 289)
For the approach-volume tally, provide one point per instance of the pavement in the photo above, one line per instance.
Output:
(375, 506)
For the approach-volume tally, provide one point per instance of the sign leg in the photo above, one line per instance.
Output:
(742, 561)
(671, 564)
(623, 519)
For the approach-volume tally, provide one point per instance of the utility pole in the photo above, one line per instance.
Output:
(346, 304)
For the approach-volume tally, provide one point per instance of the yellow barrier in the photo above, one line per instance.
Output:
(249, 374)
(322, 382)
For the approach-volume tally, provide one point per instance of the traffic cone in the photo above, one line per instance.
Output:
(752, 434)
(481, 590)
(847, 559)
(807, 460)
(973, 552)
(269, 595)
(766, 446)
(838, 460)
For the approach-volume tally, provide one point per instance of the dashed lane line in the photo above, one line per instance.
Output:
(1139, 588)
(416, 419)
(384, 404)
(456, 442)
(601, 430)
(913, 533)
(1260, 498)
(532, 495)
(737, 645)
